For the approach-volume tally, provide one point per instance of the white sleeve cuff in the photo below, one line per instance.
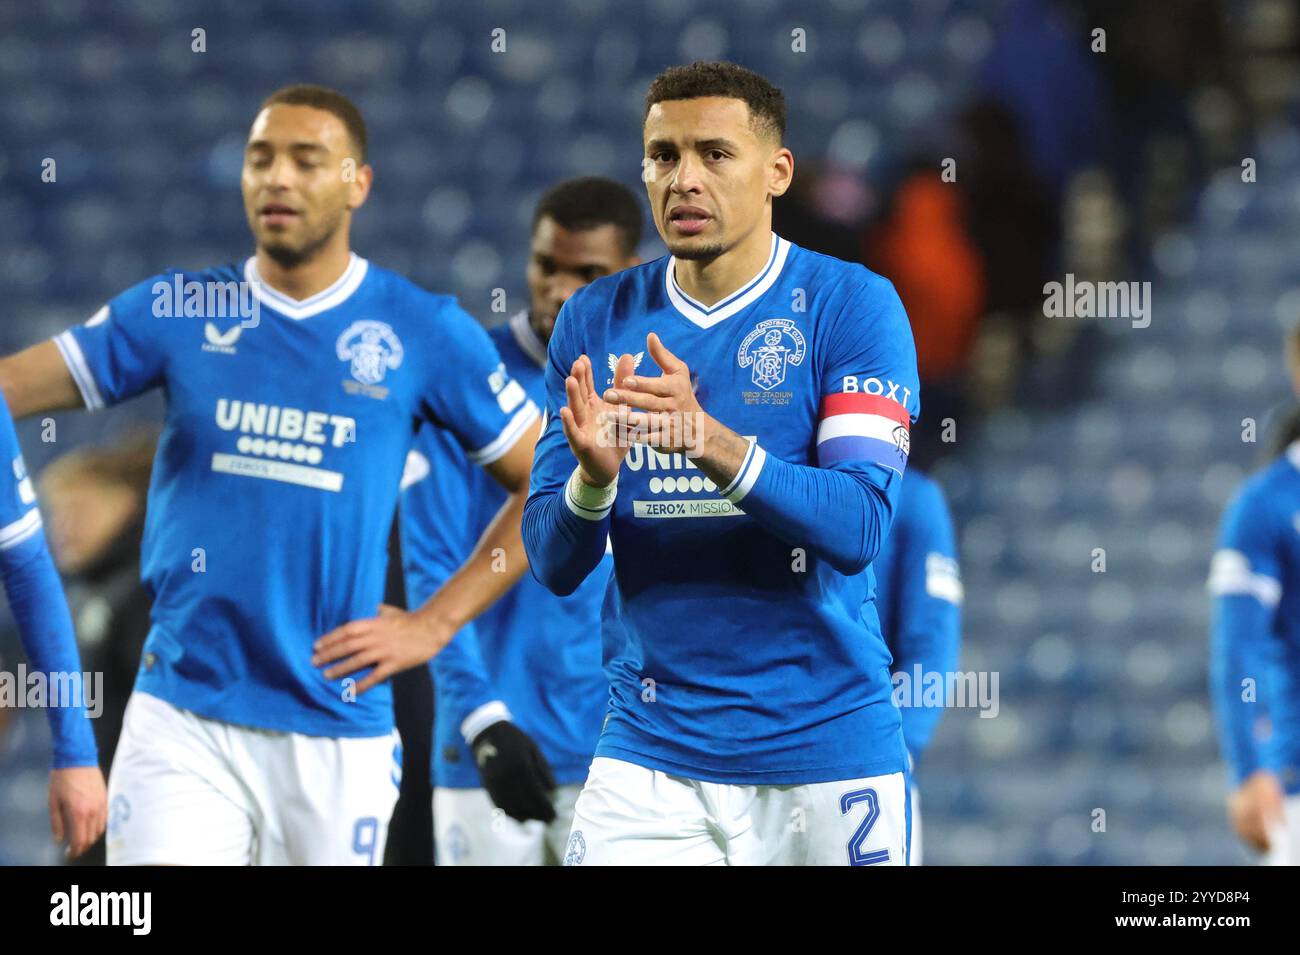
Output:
(66, 342)
(1230, 573)
(11, 535)
(589, 503)
(746, 477)
(503, 442)
(482, 718)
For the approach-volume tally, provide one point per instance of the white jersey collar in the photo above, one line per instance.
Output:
(335, 295)
(527, 338)
(706, 316)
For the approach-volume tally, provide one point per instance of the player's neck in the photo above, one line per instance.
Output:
(709, 281)
(305, 279)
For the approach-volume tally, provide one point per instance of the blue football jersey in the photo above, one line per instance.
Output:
(733, 655)
(20, 519)
(534, 652)
(277, 472)
(40, 609)
(1255, 638)
(918, 598)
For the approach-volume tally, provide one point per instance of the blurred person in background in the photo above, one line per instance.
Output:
(923, 245)
(823, 211)
(918, 596)
(1015, 224)
(95, 501)
(520, 692)
(1255, 646)
(78, 800)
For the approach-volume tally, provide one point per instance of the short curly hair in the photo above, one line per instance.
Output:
(589, 202)
(719, 78)
(329, 100)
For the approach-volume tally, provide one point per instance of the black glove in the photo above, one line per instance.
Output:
(515, 774)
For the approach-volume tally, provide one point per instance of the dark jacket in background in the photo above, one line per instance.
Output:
(410, 833)
(110, 610)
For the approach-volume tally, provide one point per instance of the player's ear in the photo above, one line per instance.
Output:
(780, 172)
(361, 180)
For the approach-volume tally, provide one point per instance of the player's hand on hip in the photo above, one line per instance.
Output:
(78, 807)
(394, 641)
(668, 417)
(585, 425)
(514, 772)
(1255, 809)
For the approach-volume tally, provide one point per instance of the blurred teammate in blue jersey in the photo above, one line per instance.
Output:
(735, 418)
(520, 692)
(918, 598)
(78, 804)
(261, 727)
(1255, 648)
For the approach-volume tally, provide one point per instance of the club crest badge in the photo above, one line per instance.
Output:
(372, 349)
(771, 349)
(903, 440)
(457, 843)
(119, 811)
(576, 850)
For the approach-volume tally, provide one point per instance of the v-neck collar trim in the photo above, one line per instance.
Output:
(706, 316)
(335, 295)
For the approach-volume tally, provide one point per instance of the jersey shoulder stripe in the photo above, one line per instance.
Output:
(1231, 575)
(13, 534)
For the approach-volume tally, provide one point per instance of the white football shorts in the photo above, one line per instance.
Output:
(630, 815)
(470, 830)
(185, 790)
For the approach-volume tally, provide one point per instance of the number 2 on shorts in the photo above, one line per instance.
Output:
(856, 855)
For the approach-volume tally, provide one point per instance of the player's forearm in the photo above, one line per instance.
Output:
(459, 675)
(933, 646)
(37, 380)
(1238, 681)
(45, 630)
(564, 537)
(495, 565)
(840, 516)
(723, 453)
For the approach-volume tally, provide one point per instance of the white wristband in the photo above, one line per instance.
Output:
(591, 503)
(480, 719)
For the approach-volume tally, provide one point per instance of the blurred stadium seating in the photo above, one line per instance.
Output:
(1103, 674)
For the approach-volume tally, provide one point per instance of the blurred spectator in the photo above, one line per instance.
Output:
(924, 247)
(1013, 216)
(95, 504)
(1041, 66)
(1179, 97)
(1145, 92)
(1015, 223)
(822, 210)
